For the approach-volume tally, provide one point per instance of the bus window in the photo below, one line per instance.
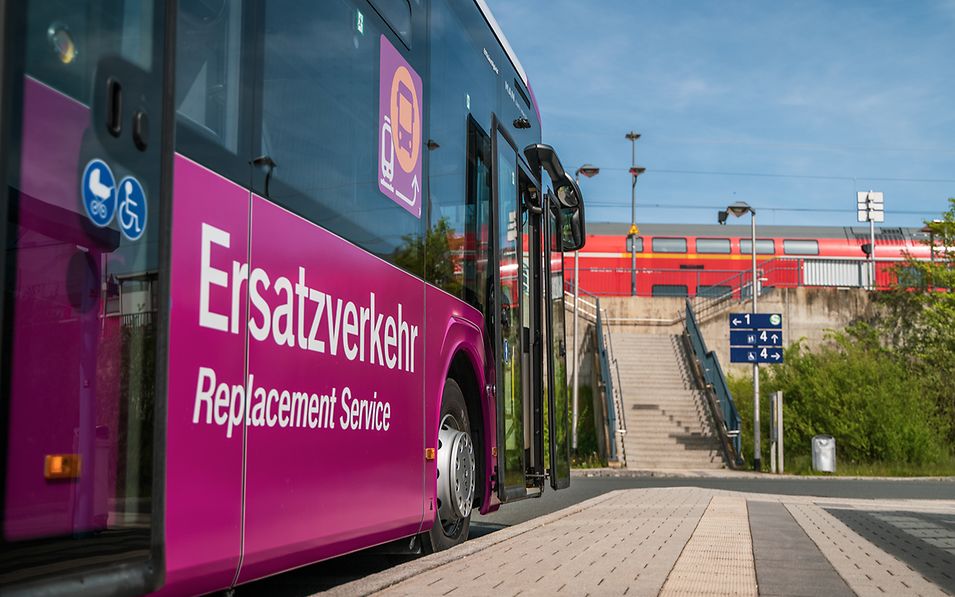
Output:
(558, 422)
(510, 351)
(397, 13)
(208, 56)
(80, 322)
(668, 245)
(320, 113)
(475, 256)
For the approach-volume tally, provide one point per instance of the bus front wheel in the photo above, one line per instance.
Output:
(456, 472)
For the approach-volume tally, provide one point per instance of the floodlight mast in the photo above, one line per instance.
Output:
(635, 172)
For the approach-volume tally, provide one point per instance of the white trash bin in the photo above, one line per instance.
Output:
(824, 454)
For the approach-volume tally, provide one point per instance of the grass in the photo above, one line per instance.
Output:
(802, 465)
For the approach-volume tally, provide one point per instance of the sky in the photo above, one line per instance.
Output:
(792, 107)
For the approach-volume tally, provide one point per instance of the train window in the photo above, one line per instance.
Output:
(679, 290)
(669, 245)
(637, 244)
(712, 245)
(801, 247)
(764, 246)
(716, 292)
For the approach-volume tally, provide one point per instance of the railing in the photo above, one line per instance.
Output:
(136, 320)
(724, 410)
(607, 382)
(778, 272)
(590, 310)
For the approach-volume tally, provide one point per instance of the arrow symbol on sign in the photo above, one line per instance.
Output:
(775, 337)
(776, 356)
(735, 321)
(416, 187)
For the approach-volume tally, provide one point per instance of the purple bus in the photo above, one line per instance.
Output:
(282, 280)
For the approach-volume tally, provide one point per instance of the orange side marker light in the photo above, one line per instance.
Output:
(61, 466)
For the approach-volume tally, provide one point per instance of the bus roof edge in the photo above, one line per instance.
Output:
(502, 39)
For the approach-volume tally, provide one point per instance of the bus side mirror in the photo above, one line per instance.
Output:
(573, 228)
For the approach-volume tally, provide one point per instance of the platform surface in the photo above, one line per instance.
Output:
(692, 541)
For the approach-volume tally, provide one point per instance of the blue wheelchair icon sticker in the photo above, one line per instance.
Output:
(98, 190)
(132, 208)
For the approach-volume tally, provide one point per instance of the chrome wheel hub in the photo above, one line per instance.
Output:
(455, 472)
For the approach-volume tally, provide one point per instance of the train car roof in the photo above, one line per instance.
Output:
(743, 231)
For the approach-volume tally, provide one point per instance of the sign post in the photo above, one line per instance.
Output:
(756, 338)
(871, 209)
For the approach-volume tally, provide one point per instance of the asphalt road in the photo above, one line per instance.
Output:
(331, 573)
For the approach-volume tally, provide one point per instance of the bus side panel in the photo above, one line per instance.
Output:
(337, 464)
(455, 326)
(206, 364)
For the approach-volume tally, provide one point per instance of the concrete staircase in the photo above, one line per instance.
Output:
(668, 421)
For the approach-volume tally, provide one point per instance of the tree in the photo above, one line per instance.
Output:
(920, 322)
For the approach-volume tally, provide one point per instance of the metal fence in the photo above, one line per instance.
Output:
(780, 272)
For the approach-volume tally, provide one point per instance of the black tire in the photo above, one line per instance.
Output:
(447, 534)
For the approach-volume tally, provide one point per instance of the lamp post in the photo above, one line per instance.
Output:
(739, 209)
(588, 170)
(635, 172)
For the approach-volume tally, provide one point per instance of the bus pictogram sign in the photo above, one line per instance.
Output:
(399, 130)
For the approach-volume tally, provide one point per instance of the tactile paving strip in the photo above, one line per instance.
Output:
(718, 559)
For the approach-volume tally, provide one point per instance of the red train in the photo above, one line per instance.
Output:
(701, 259)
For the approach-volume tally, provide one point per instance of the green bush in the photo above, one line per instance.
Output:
(853, 389)
(588, 453)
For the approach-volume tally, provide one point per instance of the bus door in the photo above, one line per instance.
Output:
(555, 377)
(517, 329)
(85, 161)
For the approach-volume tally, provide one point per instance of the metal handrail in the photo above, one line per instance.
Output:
(618, 392)
(607, 382)
(726, 413)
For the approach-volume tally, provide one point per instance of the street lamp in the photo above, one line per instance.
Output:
(740, 209)
(635, 172)
(588, 170)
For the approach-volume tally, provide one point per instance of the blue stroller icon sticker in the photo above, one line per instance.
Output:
(98, 190)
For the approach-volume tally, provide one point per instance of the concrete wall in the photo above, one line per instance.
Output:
(808, 313)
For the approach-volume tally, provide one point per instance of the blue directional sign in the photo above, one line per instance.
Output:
(756, 338)
(744, 354)
(752, 321)
(132, 208)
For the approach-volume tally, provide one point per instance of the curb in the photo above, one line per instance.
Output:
(731, 474)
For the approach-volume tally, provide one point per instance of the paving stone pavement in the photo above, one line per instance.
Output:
(692, 541)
